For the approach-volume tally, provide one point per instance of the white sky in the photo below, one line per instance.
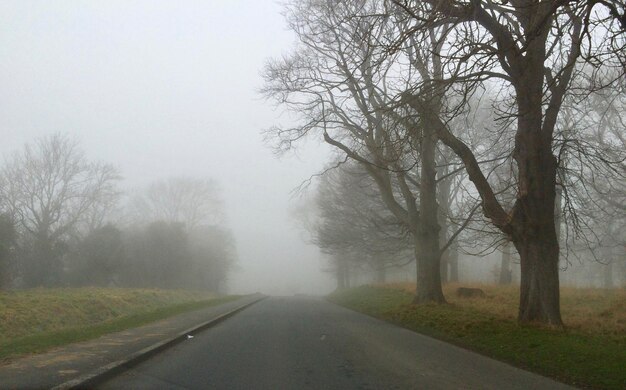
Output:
(167, 88)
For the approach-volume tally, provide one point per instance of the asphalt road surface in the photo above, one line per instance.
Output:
(308, 343)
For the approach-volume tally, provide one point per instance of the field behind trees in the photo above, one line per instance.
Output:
(589, 353)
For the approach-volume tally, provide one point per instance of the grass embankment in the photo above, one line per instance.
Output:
(36, 320)
(590, 352)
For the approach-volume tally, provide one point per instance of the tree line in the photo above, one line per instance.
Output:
(493, 122)
(65, 222)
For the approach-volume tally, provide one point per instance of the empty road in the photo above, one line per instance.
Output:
(308, 343)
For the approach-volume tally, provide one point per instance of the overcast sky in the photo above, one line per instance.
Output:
(167, 88)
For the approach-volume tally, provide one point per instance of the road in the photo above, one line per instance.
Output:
(308, 343)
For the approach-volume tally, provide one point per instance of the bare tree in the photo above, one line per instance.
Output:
(341, 83)
(190, 201)
(593, 171)
(49, 188)
(353, 223)
(199, 252)
(531, 48)
(214, 255)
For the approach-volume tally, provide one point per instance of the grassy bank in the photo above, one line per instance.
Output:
(35, 320)
(591, 352)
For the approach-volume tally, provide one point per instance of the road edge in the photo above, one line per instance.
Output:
(100, 375)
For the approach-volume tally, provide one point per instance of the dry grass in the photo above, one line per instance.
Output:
(588, 353)
(585, 310)
(29, 312)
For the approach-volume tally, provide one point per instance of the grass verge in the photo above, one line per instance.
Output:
(37, 320)
(583, 355)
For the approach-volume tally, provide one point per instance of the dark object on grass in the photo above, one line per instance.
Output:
(467, 292)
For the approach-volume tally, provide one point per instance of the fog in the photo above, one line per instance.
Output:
(182, 95)
(162, 89)
(294, 186)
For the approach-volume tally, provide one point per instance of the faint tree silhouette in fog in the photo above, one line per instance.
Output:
(49, 188)
(353, 225)
(8, 241)
(97, 258)
(190, 201)
(191, 210)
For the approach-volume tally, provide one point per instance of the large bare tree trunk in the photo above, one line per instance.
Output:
(535, 235)
(539, 288)
(538, 248)
(427, 247)
(533, 218)
(428, 276)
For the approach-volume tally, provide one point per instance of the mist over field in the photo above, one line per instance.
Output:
(230, 177)
(160, 89)
(292, 149)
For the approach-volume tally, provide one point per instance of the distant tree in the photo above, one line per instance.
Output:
(178, 237)
(189, 201)
(8, 238)
(158, 256)
(354, 226)
(593, 173)
(98, 258)
(49, 188)
(167, 255)
(213, 256)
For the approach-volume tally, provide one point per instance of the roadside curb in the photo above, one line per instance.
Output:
(108, 371)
